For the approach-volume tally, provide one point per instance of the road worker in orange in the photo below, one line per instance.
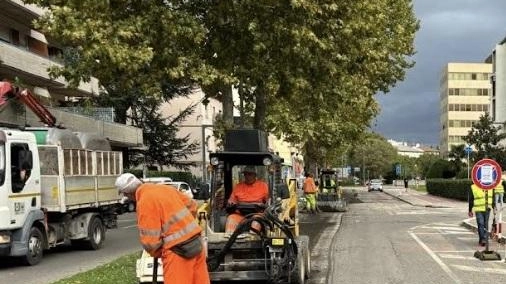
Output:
(168, 229)
(250, 190)
(310, 191)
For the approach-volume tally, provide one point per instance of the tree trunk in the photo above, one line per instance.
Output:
(260, 107)
(228, 106)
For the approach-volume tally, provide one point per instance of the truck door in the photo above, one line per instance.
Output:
(22, 181)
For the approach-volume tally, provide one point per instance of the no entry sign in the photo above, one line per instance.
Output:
(486, 174)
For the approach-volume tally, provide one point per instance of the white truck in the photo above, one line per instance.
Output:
(56, 187)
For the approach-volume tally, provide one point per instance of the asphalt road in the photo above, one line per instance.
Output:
(384, 240)
(380, 239)
(65, 261)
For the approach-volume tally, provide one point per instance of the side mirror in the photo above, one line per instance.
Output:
(204, 192)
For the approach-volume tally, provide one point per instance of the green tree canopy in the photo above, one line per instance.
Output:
(485, 137)
(374, 154)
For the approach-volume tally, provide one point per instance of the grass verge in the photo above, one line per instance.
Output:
(121, 270)
(420, 188)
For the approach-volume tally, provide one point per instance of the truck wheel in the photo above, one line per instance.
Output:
(96, 234)
(35, 247)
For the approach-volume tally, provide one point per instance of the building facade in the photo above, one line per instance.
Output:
(498, 81)
(198, 126)
(465, 91)
(25, 56)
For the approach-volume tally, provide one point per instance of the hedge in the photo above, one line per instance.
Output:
(450, 188)
(175, 176)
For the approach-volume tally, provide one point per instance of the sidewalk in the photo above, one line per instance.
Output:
(422, 199)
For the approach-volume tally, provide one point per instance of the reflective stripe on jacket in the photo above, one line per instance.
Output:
(479, 199)
(165, 216)
(499, 188)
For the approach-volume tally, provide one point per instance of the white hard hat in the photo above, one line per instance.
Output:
(127, 183)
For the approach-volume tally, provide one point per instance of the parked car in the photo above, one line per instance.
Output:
(129, 205)
(183, 187)
(375, 184)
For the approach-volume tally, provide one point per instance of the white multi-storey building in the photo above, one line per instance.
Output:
(498, 81)
(465, 91)
(25, 56)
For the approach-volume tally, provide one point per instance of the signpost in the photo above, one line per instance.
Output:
(486, 174)
(468, 151)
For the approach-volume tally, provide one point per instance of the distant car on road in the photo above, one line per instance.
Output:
(375, 184)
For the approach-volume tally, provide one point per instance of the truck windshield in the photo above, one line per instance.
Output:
(2, 163)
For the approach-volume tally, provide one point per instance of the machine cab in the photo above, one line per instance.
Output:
(227, 172)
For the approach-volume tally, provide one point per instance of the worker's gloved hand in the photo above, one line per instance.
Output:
(231, 207)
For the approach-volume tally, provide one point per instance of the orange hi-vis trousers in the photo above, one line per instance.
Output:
(180, 270)
(234, 219)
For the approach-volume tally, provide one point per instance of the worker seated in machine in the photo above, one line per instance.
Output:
(249, 191)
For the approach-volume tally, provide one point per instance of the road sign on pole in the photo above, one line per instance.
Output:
(486, 174)
(468, 150)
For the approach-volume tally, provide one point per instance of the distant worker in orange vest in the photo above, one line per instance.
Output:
(250, 190)
(310, 190)
(168, 229)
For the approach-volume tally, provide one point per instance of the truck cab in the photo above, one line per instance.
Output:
(20, 194)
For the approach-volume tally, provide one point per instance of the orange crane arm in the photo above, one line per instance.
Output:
(8, 91)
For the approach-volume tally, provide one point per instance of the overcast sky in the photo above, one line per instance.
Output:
(450, 31)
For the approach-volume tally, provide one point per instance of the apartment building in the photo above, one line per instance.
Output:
(25, 56)
(198, 126)
(498, 81)
(465, 91)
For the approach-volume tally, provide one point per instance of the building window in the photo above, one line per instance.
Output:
(14, 37)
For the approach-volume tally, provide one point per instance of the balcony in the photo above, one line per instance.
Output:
(24, 13)
(32, 69)
(118, 134)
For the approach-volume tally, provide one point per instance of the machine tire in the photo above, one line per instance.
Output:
(299, 273)
(35, 247)
(303, 242)
(96, 234)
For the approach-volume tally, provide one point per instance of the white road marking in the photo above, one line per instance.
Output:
(127, 227)
(466, 238)
(127, 220)
(456, 256)
(437, 259)
(447, 233)
(453, 251)
(481, 269)
(451, 229)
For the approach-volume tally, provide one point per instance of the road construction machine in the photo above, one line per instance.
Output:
(330, 195)
(56, 186)
(276, 253)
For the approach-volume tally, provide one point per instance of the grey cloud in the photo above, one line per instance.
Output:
(451, 31)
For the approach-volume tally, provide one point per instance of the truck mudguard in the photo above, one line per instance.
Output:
(20, 236)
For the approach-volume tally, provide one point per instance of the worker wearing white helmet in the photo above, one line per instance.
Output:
(167, 228)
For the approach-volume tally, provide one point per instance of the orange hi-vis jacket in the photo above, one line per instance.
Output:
(257, 192)
(309, 185)
(165, 216)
